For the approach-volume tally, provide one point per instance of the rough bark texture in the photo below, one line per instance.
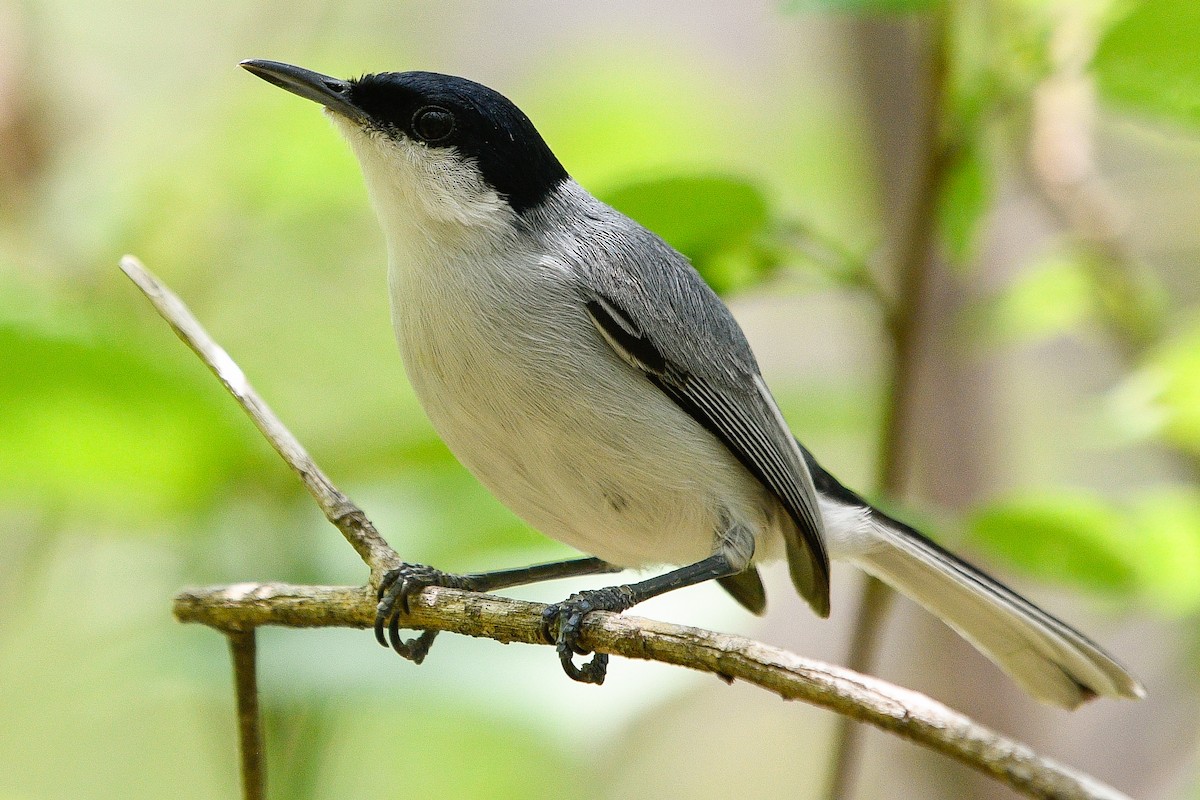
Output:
(910, 714)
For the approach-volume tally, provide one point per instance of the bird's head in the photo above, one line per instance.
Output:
(436, 150)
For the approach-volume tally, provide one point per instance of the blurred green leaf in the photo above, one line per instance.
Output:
(1166, 524)
(712, 219)
(1174, 370)
(1151, 547)
(1046, 299)
(1131, 411)
(99, 428)
(697, 214)
(737, 268)
(1067, 538)
(1161, 399)
(964, 201)
(1149, 61)
(620, 122)
(862, 6)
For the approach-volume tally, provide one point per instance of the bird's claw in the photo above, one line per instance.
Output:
(562, 626)
(395, 589)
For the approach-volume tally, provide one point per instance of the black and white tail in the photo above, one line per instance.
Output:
(1049, 659)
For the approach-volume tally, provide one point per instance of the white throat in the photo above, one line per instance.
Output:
(431, 202)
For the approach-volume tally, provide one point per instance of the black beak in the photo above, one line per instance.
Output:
(332, 93)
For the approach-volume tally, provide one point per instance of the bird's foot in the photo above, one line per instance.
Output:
(562, 626)
(397, 586)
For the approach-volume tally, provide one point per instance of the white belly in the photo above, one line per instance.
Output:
(596, 457)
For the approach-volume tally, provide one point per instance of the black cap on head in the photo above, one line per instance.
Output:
(438, 111)
(480, 123)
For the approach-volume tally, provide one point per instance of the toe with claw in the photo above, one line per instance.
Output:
(395, 590)
(562, 626)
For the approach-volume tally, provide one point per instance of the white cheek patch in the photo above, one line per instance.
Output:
(425, 185)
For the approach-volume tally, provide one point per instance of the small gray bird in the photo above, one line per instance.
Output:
(583, 371)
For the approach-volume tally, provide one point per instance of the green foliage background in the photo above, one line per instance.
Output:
(125, 472)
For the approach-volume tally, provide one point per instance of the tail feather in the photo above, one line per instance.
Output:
(1049, 659)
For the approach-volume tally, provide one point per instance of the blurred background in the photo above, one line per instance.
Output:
(962, 237)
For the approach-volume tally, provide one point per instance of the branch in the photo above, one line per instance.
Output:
(241, 608)
(244, 651)
(907, 324)
(338, 509)
(792, 677)
(1066, 174)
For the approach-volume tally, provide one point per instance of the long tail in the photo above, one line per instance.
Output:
(1048, 658)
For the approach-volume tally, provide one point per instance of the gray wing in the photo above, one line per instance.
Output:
(685, 341)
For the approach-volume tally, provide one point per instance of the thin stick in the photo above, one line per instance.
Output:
(904, 712)
(338, 509)
(243, 650)
(874, 604)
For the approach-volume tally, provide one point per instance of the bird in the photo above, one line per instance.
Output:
(585, 373)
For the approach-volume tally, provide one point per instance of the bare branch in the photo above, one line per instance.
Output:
(1065, 172)
(244, 651)
(237, 610)
(792, 677)
(349, 518)
(908, 325)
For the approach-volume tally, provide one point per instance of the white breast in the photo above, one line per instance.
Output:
(526, 394)
(523, 390)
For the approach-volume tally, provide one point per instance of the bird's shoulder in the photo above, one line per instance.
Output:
(655, 289)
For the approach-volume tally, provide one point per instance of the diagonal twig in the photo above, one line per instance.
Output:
(241, 608)
(338, 509)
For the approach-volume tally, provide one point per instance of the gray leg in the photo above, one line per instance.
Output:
(401, 583)
(562, 623)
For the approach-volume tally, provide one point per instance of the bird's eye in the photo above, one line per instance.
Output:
(433, 124)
